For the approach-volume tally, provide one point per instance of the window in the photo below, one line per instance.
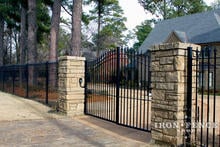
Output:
(205, 79)
(207, 51)
(200, 79)
(211, 79)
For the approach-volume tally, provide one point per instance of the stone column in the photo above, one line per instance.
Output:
(71, 95)
(169, 92)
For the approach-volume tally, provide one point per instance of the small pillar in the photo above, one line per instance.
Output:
(71, 95)
(169, 92)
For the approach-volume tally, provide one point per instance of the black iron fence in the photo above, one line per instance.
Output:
(204, 128)
(33, 81)
(118, 88)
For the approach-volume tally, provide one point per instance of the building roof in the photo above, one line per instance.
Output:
(197, 28)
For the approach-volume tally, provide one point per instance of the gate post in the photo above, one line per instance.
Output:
(71, 95)
(169, 92)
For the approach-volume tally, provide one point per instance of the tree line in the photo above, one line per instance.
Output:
(31, 30)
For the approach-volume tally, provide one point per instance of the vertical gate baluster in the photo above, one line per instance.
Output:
(196, 107)
(117, 84)
(189, 94)
(47, 81)
(202, 89)
(214, 96)
(208, 96)
(148, 88)
(85, 90)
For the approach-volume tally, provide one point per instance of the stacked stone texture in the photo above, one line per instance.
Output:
(169, 91)
(71, 95)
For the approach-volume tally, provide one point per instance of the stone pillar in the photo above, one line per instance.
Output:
(169, 92)
(71, 95)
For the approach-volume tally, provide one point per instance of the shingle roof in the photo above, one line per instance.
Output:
(182, 36)
(197, 28)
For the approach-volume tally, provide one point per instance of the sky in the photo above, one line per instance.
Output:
(135, 13)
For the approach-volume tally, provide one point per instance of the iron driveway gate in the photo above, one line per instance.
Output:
(118, 88)
(204, 120)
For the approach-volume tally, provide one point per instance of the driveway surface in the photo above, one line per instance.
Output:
(27, 123)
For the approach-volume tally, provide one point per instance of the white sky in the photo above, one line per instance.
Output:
(135, 13)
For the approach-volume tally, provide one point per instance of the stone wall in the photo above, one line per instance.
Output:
(71, 95)
(169, 91)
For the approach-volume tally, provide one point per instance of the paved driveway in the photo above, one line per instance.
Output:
(28, 123)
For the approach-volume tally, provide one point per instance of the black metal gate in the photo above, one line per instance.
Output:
(118, 88)
(204, 119)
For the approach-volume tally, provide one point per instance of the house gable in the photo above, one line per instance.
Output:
(172, 38)
(176, 36)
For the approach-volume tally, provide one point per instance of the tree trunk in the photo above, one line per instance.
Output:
(54, 33)
(99, 28)
(76, 27)
(16, 42)
(164, 10)
(32, 39)
(23, 42)
(10, 45)
(32, 32)
(1, 39)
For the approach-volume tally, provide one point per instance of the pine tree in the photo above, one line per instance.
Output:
(141, 32)
(54, 30)
(110, 23)
(76, 28)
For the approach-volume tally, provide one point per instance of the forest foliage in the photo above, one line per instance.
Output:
(35, 31)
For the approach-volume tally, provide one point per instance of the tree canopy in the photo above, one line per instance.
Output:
(141, 32)
(166, 9)
(103, 26)
(216, 4)
(108, 16)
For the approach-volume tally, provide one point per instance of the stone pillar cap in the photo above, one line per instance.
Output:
(72, 58)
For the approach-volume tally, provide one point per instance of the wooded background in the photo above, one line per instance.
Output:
(33, 31)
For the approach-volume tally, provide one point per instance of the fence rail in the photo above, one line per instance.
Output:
(33, 81)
